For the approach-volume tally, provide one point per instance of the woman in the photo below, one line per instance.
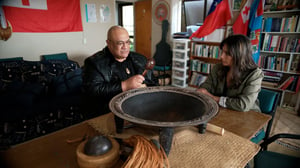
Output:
(236, 82)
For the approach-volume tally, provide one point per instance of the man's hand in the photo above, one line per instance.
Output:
(133, 82)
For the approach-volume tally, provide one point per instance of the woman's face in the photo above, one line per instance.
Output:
(225, 57)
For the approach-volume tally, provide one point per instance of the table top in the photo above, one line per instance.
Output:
(244, 124)
(52, 150)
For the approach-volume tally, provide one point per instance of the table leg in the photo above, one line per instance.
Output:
(202, 128)
(119, 124)
(166, 138)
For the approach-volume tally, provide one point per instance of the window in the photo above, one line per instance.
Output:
(126, 19)
(194, 11)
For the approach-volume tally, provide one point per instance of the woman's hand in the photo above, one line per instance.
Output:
(204, 91)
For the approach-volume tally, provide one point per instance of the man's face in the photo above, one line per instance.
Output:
(119, 44)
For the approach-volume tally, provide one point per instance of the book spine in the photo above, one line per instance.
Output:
(298, 85)
(286, 83)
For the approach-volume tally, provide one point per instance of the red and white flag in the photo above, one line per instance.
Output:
(219, 14)
(240, 25)
(43, 15)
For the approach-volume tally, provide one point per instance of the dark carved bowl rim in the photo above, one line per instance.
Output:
(116, 106)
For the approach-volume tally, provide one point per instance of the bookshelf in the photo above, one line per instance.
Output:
(280, 54)
(204, 55)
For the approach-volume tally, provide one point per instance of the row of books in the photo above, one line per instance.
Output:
(275, 5)
(273, 62)
(284, 24)
(197, 79)
(200, 66)
(272, 76)
(279, 43)
(203, 50)
(291, 83)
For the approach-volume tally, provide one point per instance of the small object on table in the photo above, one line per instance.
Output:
(107, 159)
(215, 129)
(97, 145)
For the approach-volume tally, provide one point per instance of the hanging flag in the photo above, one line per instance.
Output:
(43, 15)
(218, 15)
(255, 25)
(240, 25)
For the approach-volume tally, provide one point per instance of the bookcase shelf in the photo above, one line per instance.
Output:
(280, 54)
(204, 54)
(280, 13)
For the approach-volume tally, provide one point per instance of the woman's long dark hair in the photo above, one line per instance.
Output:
(240, 49)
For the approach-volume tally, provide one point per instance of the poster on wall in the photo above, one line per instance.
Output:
(90, 10)
(161, 11)
(43, 15)
(104, 13)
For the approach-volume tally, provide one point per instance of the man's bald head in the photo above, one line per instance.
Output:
(113, 29)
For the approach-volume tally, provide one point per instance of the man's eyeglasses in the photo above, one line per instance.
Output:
(122, 43)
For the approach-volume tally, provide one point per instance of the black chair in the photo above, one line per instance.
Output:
(268, 101)
(271, 159)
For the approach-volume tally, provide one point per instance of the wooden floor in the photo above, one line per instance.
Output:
(286, 121)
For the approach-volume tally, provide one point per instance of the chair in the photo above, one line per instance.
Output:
(268, 101)
(57, 56)
(266, 158)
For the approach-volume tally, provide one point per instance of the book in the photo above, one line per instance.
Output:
(197, 79)
(265, 42)
(293, 26)
(273, 74)
(268, 24)
(283, 78)
(292, 86)
(282, 24)
(298, 85)
(269, 84)
(286, 25)
(274, 42)
(298, 25)
(200, 79)
(276, 24)
(193, 78)
(271, 79)
(286, 83)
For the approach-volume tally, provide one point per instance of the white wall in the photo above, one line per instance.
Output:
(78, 45)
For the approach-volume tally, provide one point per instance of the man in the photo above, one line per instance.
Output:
(111, 71)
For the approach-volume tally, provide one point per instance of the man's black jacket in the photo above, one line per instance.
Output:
(100, 84)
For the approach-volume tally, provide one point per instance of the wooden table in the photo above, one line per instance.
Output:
(244, 124)
(52, 150)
